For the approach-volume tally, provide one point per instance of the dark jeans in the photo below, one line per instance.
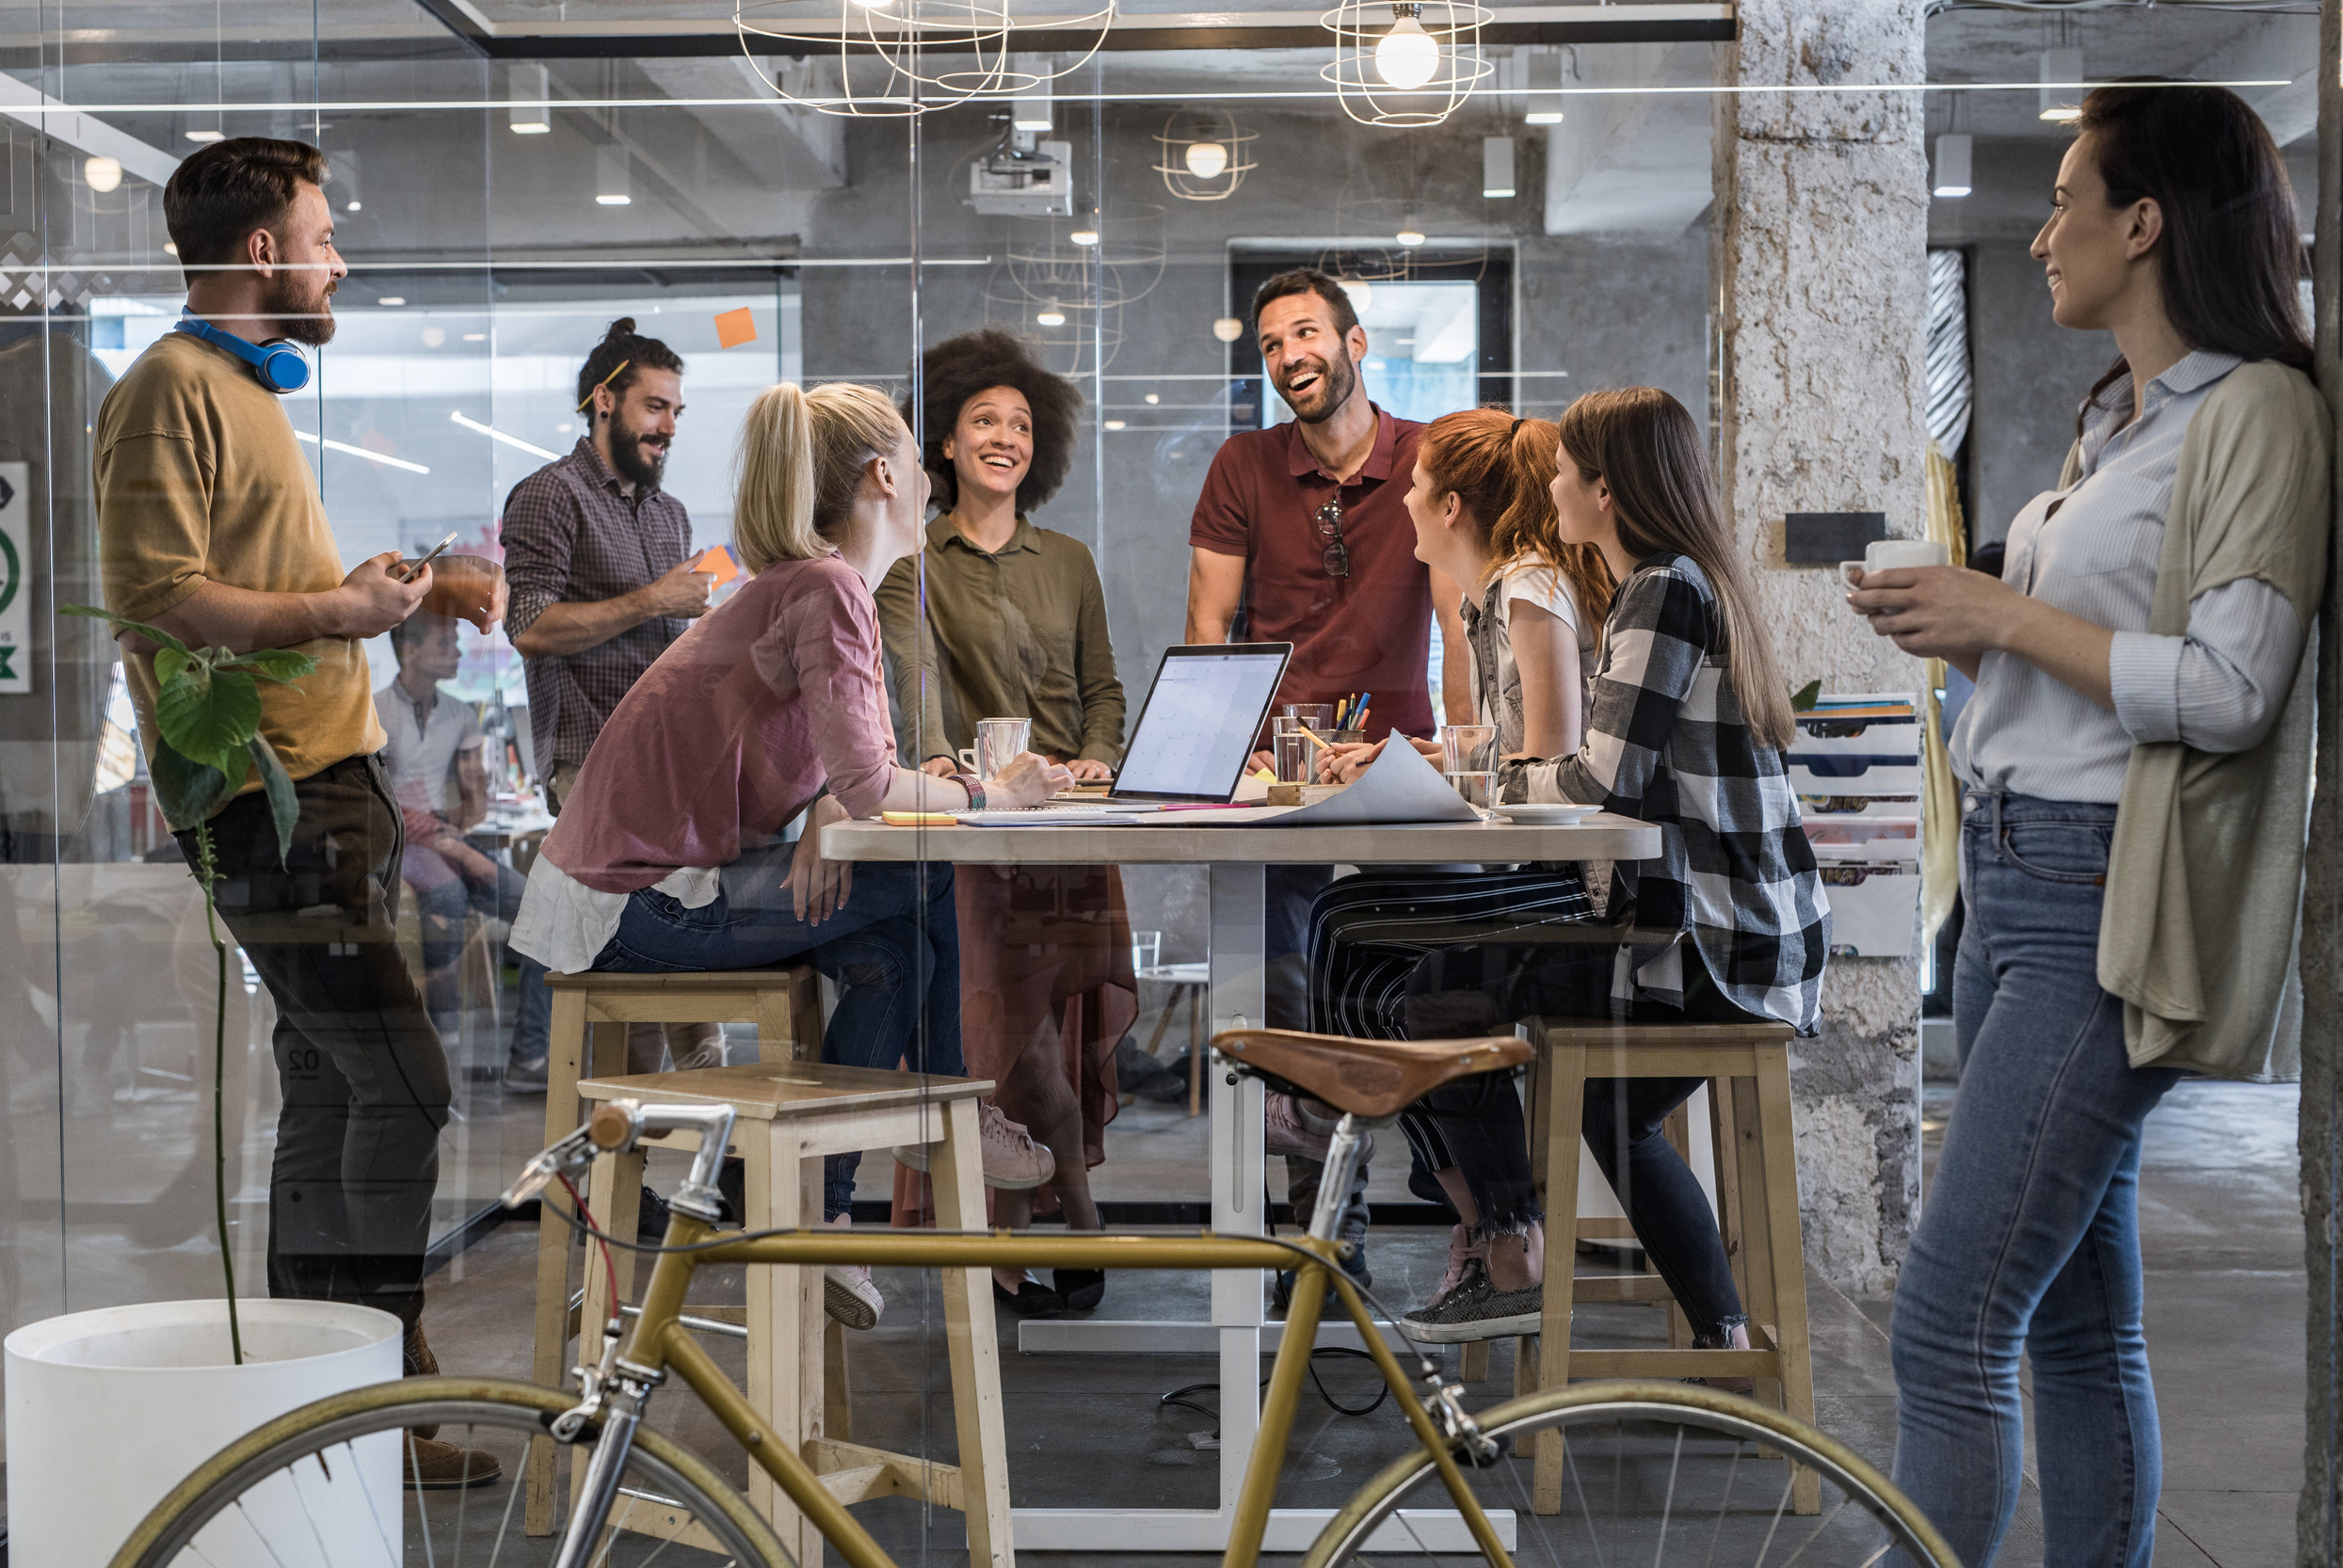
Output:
(1287, 893)
(893, 950)
(1480, 990)
(365, 1079)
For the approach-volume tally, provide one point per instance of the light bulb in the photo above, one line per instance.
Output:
(102, 174)
(614, 200)
(207, 136)
(1206, 160)
(1227, 329)
(875, 5)
(1406, 57)
(1409, 234)
(1049, 315)
(355, 207)
(1085, 236)
(1114, 424)
(2063, 114)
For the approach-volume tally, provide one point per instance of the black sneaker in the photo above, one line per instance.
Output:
(1476, 1309)
(650, 1221)
(1353, 1264)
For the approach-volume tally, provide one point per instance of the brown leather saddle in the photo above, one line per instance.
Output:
(1370, 1078)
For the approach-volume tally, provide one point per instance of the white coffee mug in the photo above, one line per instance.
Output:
(1888, 554)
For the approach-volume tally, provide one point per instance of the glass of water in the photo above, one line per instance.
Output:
(1469, 760)
(998, 741)
(1147, 950)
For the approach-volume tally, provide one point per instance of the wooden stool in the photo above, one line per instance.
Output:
(588, 1040)
(788, 1117)
(1748, 1069)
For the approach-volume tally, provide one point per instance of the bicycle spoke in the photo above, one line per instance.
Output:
(1578, 1485)
(1667, 1507)
(463, 1496)
(1780, 1509)
(423, 1514)
(1725, 1501)
(254, 1526)
(1791, 1559)
(374, 1509)
(293, 1479)
(512, 1495)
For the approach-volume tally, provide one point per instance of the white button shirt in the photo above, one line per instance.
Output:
(2091, 551)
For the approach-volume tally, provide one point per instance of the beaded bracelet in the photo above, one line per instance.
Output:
(974, 787)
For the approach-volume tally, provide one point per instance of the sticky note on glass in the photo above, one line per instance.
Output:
(734, 328)
(717, 559)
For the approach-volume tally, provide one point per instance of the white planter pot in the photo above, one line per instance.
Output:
(108, 1410)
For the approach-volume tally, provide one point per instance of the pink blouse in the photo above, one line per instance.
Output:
(776, 692)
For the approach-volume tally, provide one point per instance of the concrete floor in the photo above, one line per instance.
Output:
(2223, 1238)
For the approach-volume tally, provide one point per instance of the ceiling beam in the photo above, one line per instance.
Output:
(90, 135)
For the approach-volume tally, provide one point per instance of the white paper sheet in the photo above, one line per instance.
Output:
(1397, 787)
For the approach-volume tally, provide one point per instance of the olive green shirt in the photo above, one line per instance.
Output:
(1016, 634)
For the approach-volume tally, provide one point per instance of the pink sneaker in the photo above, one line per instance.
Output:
(1012, 1158)
(1283, 1131)
(1462, 1249)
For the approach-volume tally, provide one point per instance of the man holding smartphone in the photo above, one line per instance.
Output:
(210, 527)
(603, 580)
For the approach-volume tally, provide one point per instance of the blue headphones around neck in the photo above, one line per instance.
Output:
(279, 365)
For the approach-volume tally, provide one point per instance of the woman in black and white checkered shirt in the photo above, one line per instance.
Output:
(1687, 721)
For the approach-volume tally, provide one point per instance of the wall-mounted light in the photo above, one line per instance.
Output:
(2062, 103)
(530, 88)
(1496, 166)
(1228, 328)
(102, 174)
(614, 184)
(1953, 157)
(1544, 95)
(1031, 81)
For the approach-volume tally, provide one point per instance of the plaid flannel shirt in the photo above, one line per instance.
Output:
(571, 537)
(1666, 743)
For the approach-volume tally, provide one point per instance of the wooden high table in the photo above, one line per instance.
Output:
(1238, 1330)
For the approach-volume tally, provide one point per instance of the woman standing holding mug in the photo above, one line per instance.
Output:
(1015, 626)
(2136, 770)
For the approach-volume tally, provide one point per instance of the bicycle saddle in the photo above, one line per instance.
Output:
(1370, 1078)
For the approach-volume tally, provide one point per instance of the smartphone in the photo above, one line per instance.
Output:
(416, 570)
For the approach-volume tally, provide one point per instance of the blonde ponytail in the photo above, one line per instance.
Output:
(800, 466)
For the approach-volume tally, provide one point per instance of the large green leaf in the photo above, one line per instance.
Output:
(283, 806)
(188, 793)
(208, 714)
(153, 633)
(1804, 698)
(280, 665)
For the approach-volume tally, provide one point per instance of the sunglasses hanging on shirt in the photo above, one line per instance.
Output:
(1337, 558)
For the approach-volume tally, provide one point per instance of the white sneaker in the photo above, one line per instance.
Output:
(847, 1293)
(1012, 1158)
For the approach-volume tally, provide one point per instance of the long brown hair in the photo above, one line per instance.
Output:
(2230, 258)
(1641, 442)
(1501, 469)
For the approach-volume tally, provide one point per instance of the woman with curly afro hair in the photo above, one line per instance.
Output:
(1015, 628)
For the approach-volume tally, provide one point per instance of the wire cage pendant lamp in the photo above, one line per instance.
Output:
(889, 58)
(1406, 63)
(1205, 154)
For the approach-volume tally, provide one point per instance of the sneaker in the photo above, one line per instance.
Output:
(1476, 1309)
(847, 1293)
(1031, 1299)
(1170, 1086)
(1463, 1247)
(1283, 1131)
(525, 1078)
(1080, 1289)
(435, 1466)
(1012, 1158)
(650, 1220)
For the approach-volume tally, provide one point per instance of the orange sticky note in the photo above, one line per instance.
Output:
(718, 559)
(734, 328)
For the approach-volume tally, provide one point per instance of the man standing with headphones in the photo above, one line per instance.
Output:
(210, 527)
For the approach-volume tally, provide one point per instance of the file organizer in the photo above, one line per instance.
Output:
(1856, 768)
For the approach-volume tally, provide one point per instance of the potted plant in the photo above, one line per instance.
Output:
(109, 1409)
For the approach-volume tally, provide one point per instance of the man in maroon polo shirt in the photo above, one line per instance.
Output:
(1301, 536)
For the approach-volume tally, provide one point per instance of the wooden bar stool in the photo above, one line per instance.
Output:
(591, 1012)
(787, 1118)
(1748, 1069)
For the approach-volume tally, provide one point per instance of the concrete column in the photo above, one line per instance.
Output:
(2322, 1136)
(1820, 235)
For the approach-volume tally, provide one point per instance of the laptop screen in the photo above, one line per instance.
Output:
(1196, 730)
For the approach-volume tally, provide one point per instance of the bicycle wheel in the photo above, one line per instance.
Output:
(1653, 1473)
(322, 1486)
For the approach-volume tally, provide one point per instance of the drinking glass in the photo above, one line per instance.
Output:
(1469, 760)
(998, 741)
(1147, 950)
(1317, 715)
(1478, 788)
(1297, 758)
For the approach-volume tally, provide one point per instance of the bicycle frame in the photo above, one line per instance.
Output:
(660, 1343)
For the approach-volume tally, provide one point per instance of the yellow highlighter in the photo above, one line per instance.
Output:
(919, 819)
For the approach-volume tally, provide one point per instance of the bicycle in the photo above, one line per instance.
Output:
(1645, 1465)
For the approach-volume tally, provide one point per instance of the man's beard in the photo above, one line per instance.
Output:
(626, 455)
(291, 310)
(1338, 381)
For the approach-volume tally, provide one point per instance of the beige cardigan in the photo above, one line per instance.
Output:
(2204, 876)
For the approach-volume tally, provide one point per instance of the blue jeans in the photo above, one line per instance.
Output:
(2030, 1239)
(893, 950)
